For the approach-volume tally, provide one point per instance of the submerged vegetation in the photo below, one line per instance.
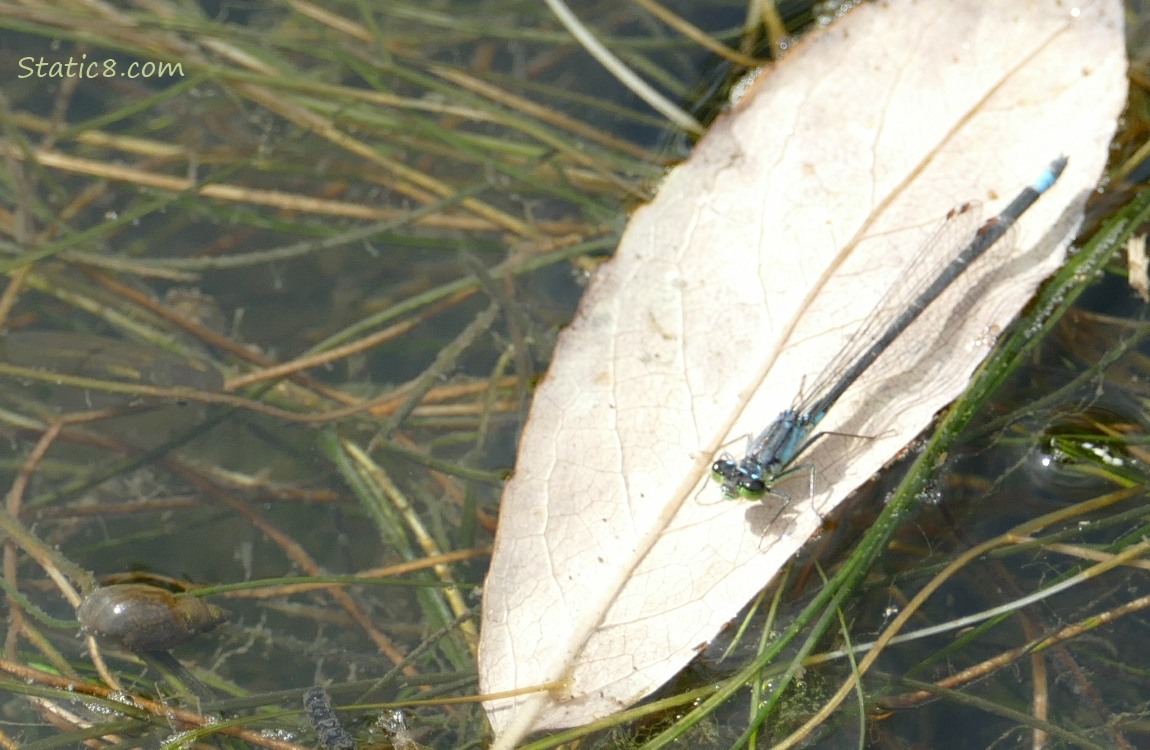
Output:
(278, 280)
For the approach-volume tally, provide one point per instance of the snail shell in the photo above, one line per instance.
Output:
(146, 618)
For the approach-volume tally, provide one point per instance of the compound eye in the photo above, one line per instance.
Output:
(724, 468)
(752, 485)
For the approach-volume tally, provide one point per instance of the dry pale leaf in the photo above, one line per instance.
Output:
(616, 556)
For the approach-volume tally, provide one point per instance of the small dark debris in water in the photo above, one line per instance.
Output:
(328, 730)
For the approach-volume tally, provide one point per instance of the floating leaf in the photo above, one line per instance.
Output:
(617, 556)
